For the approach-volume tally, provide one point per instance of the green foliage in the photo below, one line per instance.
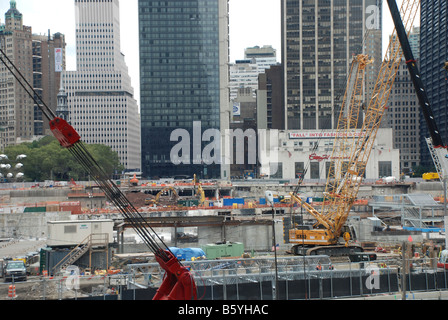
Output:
(420, 170)
(46, 160)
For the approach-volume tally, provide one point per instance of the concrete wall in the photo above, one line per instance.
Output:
(28, 225)
(256, 237)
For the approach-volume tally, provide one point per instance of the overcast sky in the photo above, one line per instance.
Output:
(252, 23)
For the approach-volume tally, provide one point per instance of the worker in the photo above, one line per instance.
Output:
(330, 266)
(319, 266)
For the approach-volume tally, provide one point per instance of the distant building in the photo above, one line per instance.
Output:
(184, 77)
(297, 155)
(270, 102)
(244, 73)
(48, 64)
(403, 116)
(319, 39)
(16, 106)
(100, 95)
(244, 118)
(260, 52)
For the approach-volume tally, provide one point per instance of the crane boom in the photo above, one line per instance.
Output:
(178, 283)
(425, 106)
(352, 147)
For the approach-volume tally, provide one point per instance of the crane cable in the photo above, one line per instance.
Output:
(84, 157)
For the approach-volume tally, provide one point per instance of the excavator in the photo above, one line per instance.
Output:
(168, 191)
(200, 193)
(178, 283)
(352, 147)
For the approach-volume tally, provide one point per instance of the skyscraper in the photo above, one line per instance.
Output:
(100, 96)
(48, 64)
(16, 107)
(184, 76)
(433, 55)
(319, 39)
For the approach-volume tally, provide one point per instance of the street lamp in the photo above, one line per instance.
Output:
(270, 199)
(7, 167)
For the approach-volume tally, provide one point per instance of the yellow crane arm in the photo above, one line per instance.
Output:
(354, 142)
(342, 194)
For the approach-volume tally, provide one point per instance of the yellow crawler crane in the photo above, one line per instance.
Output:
(351, 150)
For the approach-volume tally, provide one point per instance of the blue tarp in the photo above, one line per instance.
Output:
(187, 253)
(429, 229)
(227, 202)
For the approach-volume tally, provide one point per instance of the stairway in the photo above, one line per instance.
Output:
(413, 216)
(93, 240)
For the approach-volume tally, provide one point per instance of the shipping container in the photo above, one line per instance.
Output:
(35, 209)
(225, 250)
(72, 233)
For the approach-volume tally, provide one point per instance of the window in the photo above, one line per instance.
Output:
(385, 168)
(70, 229)
(314, 166)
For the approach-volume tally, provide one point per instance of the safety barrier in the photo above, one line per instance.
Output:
(12, 292)
(241, 279)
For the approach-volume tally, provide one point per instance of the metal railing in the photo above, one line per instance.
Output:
(244, 279)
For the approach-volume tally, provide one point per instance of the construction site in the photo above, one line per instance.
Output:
(252, 239)
(227, 240)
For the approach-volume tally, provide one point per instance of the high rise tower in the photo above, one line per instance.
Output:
(433, 55)
(16, 107)
(100, 96)
(184, 76)
(319, 39)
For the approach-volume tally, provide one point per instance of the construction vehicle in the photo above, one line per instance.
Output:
(329, 234)
(134, 181)
(14, 270)
(178, 283)
(200, 193)
(170, 191)
(431, 176)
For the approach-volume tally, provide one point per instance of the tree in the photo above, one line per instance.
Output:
(46, 160)
(420, 170)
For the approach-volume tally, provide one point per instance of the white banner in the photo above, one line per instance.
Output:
(58, 60)
(236, 109)
(330, 134)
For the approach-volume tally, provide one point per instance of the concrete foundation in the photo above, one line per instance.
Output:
(28, 225)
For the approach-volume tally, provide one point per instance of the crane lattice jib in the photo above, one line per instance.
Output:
(353, 145)
(345, 193)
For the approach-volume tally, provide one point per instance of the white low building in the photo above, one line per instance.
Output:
(297, 151)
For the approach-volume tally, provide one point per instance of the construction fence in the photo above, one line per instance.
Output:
(297, 278)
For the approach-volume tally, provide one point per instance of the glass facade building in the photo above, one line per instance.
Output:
(183, 79)
(319, 40)
(433, 55)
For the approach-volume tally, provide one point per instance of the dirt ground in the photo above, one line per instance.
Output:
(50, 289)
(138, 199)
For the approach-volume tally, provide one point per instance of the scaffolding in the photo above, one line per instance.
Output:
(413, 208)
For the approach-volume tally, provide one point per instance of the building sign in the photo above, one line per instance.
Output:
(236, 109)
(328, 135)
(58, 65)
